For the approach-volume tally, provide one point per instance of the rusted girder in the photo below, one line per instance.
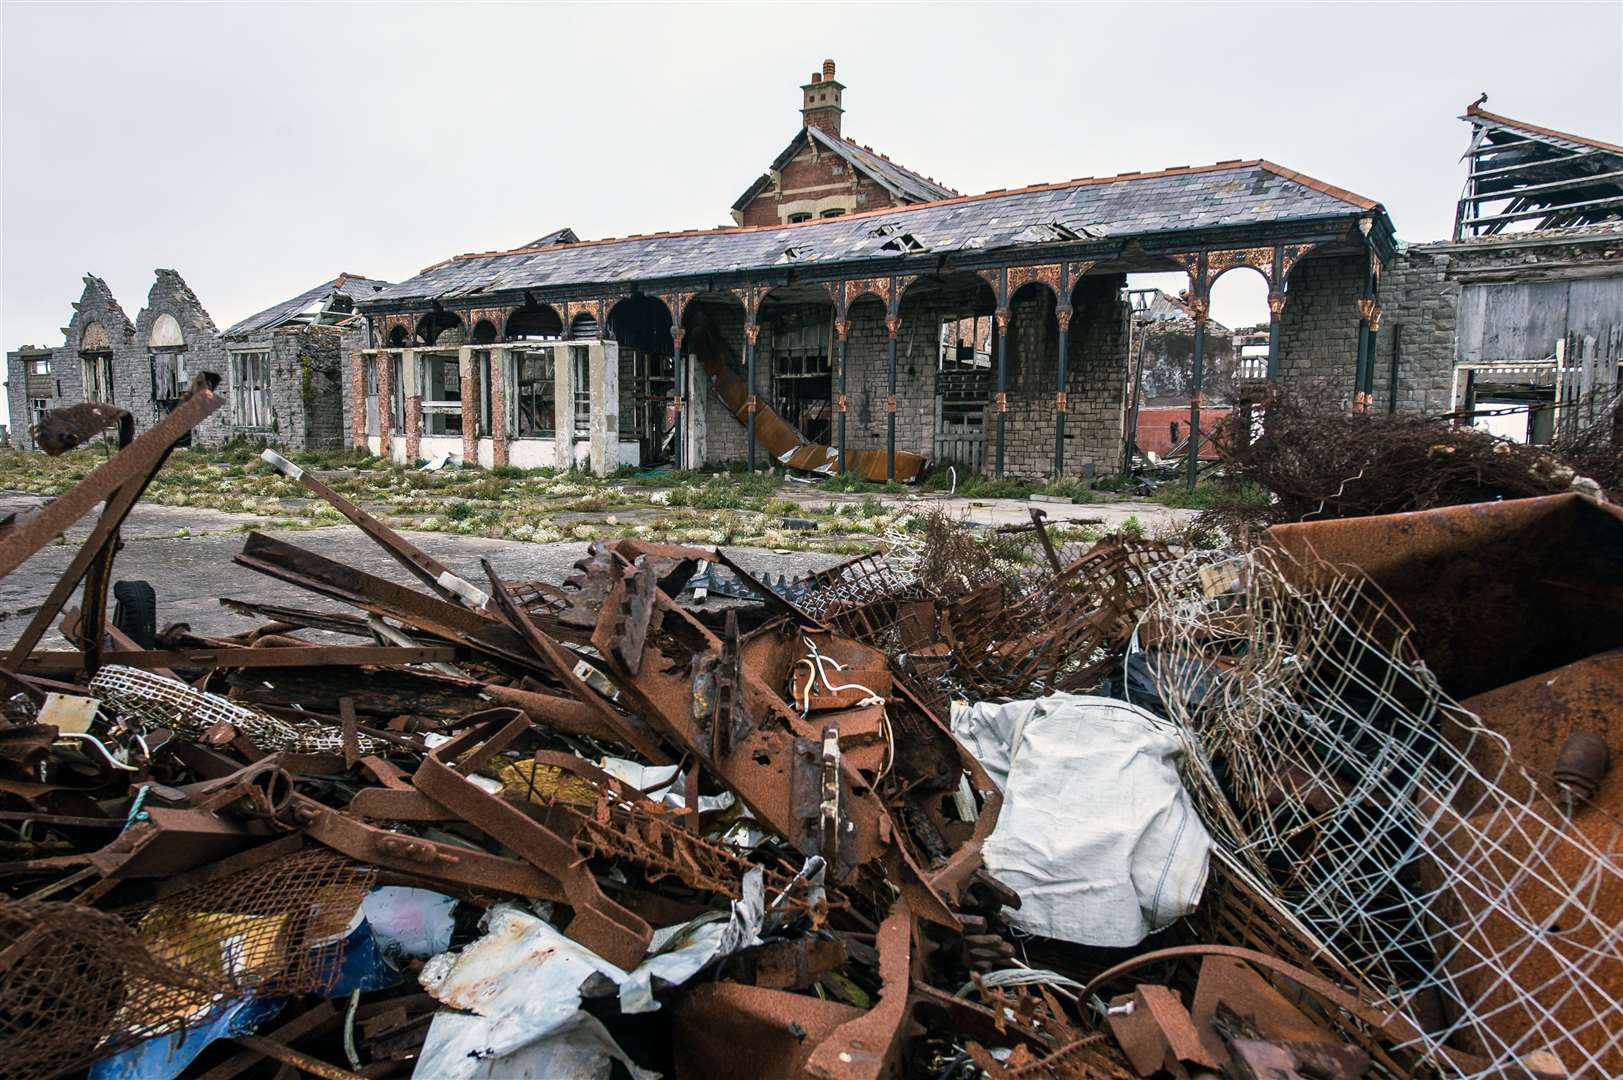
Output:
(420, 857)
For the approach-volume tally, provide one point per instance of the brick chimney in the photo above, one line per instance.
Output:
(823, 108)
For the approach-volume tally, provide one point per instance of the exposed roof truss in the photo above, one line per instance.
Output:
(1522, 177)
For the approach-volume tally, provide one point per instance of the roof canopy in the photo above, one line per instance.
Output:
(1135, 216)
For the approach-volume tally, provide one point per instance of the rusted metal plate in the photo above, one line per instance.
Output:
(1496, 591)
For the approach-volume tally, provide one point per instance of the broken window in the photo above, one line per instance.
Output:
(802, 377)
(39, 407)
(580, 379)
(534, 404)
(964, 387)
(369, 393)
(397, 392)
(168, 375)
(482, 375)
(250, 389)
(41, 366)
(97, 371)
(442, 394)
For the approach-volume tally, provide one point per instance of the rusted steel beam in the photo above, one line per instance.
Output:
(608, 929)
(430, 571)
(104, 535)
(139, 459)
(380, 596)
(247, 657)
(335, 622)
(421, 857)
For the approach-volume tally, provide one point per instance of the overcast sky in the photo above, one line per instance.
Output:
(259, 149)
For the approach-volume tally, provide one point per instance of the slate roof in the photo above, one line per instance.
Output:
(1134, 205)
(351, 285)
(904, 184)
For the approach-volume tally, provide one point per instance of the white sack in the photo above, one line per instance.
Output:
(1097, 834)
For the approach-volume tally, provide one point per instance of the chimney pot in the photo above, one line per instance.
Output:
(817, 77)
(828, 69)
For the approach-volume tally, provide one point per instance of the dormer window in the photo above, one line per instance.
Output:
(795, 219)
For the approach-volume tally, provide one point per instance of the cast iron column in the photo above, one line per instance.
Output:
(1197, 379)
(1276, 307)
(1366, 312)
(1001, 401)
(842, 328)
(751, 332)
(1061, 399)
(680, 403)
(892, 325)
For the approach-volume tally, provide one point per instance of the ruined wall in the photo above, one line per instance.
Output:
(1096, 382)
(1422, 289)
(205, 351)
(867, 382)
(306, 387)
(1416, 295)
(1318, 332)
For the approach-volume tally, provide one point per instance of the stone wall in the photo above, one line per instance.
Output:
(1096, 382)
(205, 351)
(1419, 307)
(725, 439)
(1318, 332)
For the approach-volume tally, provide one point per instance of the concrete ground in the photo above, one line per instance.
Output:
(186, 554)
(992, 512)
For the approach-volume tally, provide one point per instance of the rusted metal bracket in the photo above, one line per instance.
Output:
(622, 624)
(614, 933)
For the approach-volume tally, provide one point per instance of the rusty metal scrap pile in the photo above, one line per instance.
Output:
(592, 830)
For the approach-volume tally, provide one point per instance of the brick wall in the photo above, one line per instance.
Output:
(833, 183)
(1318, 332)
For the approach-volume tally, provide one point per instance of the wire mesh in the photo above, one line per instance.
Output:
(1387, 819)
(158, 701)
(78, 984)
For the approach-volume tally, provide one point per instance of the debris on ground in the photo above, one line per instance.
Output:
(977, 804)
